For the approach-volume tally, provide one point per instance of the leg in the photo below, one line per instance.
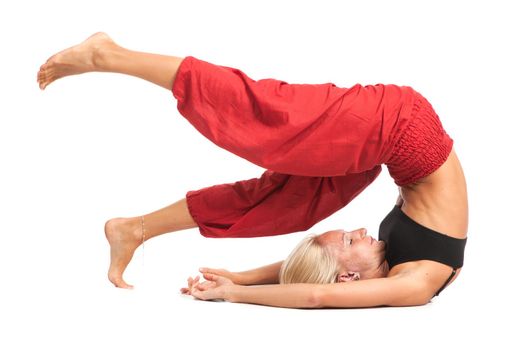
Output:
(125, 235)
(273, 204)
(317, 130)
(100, 54)
(298, 129)
(270, 205)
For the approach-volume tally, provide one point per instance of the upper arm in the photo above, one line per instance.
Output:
(391, 291)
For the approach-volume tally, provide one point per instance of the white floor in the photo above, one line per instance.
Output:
(58, 305)
(99, 146)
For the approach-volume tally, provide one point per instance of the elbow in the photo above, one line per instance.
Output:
(424, 295)
(416, 301)
(425, 298)
(412, 301)
(418, 297)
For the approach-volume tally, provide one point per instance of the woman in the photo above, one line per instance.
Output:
(322, 145)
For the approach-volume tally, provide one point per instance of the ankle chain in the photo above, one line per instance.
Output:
(143, 239)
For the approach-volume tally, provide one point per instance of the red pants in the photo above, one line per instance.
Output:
(322, 145)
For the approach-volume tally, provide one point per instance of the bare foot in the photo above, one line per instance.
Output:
(124, 236)
(82, 58)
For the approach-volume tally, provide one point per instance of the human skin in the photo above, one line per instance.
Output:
(99, 53)
(438, 201)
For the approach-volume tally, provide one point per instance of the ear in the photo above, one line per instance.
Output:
(349, 276)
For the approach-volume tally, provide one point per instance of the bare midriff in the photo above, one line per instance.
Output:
(438, 202)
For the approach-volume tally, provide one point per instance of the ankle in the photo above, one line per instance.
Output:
(105, 57)
(134, 226)
(125, 228)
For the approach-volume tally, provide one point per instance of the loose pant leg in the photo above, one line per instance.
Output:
(273, 204)
(296, 129)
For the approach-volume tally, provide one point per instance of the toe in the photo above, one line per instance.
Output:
(43, 82)
(42, 75)
(40, 79)
(44, 68)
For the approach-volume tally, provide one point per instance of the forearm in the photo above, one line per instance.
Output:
(391, 291)
(282, 295)
(268, 274)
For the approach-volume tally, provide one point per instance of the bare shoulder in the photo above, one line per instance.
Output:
(425, 275)
(410, 287)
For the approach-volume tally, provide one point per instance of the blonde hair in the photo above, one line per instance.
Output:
(309, 262)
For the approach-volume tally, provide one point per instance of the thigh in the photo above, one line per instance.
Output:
(297, 129)
(273, 204)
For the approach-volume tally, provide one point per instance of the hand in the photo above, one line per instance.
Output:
(213, 288)
(235, 277)
(191, 283)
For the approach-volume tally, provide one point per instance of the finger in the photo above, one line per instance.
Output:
(218, 272)
(192, 281)
(195, 282)
(206, 285)
(198, 295)
(214, 271)
(201, 286)
(184, 290)
(211, 277)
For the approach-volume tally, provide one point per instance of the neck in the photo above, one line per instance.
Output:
(382, 270)
(379, 272)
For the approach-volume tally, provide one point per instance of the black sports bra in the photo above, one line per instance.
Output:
(406, 240)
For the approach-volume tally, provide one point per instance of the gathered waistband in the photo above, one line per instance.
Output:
(422, 147)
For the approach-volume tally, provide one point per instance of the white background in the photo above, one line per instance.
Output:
(98, 146)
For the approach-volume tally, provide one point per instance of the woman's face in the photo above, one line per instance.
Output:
(355, 251)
